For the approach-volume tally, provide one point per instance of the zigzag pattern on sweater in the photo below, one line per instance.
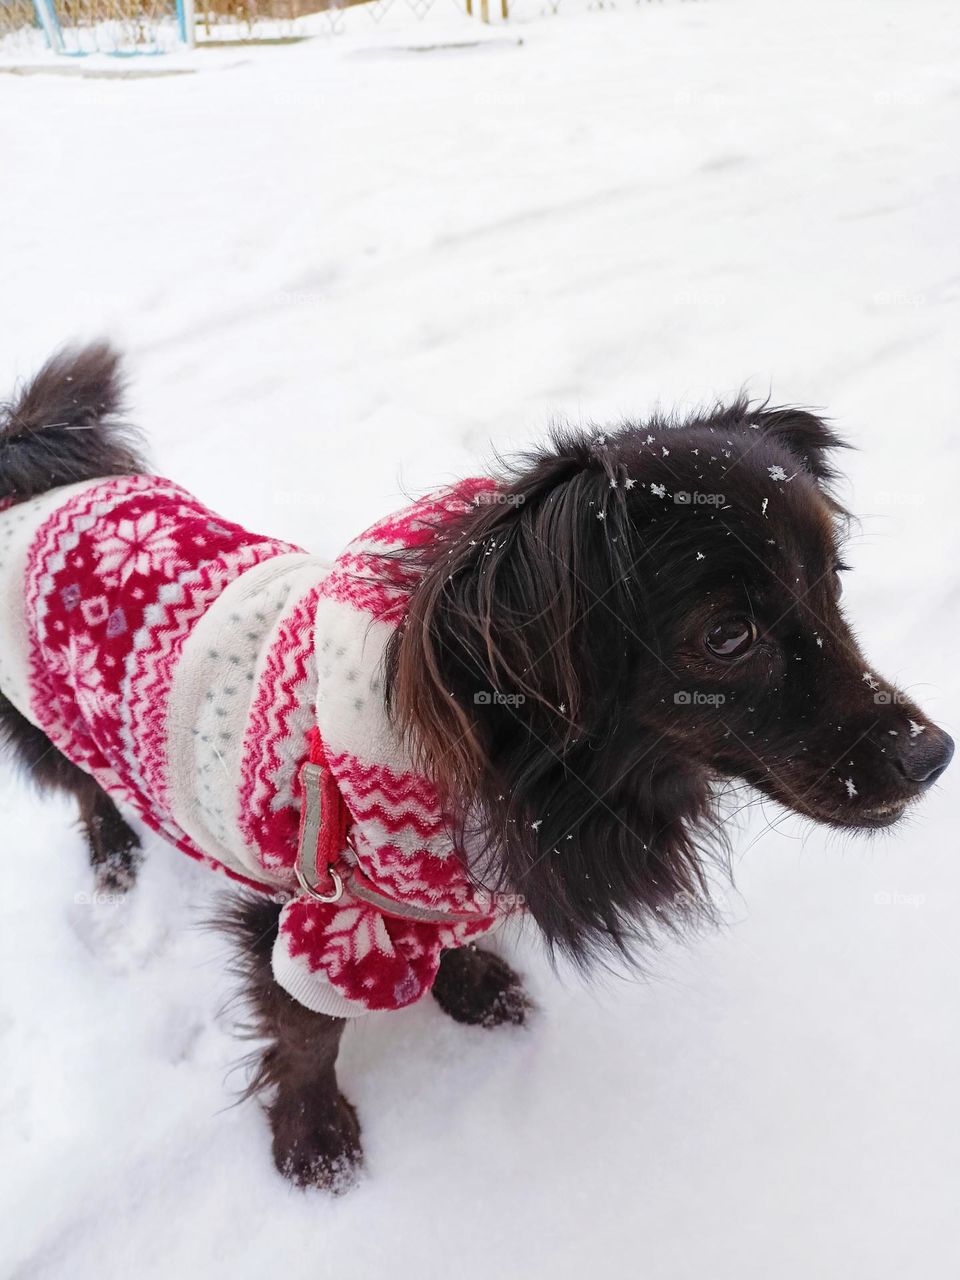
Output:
(113, 591)
(402, 839)
(368, 576)
(398, 800)
(276, 744)
(417, 525)
(156, 650)
(353, 583)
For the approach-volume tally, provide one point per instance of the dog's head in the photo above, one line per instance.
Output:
(635, 616)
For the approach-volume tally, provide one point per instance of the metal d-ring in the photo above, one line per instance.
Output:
(315, 893)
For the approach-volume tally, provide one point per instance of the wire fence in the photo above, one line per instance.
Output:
(219, 21)
(253, 20)
(124, 27)
(247, 19)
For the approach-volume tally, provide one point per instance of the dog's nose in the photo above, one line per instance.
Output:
(922, 757)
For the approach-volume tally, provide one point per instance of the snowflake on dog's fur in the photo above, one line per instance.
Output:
(659, 489)
(777, 473)
(851, 789)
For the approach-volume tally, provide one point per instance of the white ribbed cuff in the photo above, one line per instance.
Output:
(311, 989)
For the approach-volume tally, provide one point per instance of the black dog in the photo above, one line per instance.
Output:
(655, 609)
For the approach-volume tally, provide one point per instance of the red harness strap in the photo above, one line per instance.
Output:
(324, 820)
(336, 816)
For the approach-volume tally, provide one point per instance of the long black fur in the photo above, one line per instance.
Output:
(66, 425)
(553, 629)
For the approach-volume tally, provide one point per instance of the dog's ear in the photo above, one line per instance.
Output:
(508, 609)
(805, 435)
(512, 678)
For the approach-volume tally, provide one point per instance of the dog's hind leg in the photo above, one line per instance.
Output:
(478, 988)
(114, 846)
(316, 1135)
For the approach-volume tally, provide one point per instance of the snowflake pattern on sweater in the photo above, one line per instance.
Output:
(183, 661)
(116, 579)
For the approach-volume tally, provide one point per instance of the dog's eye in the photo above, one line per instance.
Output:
(731, 637)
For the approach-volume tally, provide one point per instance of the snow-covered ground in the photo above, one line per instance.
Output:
(344, 269)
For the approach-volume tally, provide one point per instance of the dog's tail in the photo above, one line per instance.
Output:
(66, 425)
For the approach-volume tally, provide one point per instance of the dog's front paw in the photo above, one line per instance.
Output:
(478, 988)
(316, 1145)
(115, 852)
(116, 875)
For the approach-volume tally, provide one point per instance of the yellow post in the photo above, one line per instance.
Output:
(504, 10)
(484, 10)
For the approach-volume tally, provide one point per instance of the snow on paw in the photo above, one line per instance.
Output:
(481, 990)
(117, 872)
(509, 1007)
(314, 1148)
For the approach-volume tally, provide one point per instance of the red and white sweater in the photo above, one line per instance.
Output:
(195, 668)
